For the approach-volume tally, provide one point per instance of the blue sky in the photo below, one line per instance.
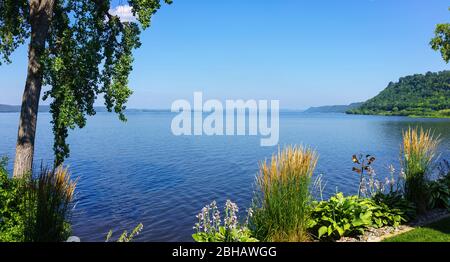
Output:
(302, 52)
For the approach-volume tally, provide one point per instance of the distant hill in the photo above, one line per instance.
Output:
(15, 108)
(425, 95)
(332, 109)
(45, 108)
(8, 108)
(42, 108)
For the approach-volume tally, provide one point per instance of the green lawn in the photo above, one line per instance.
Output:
(435, 232)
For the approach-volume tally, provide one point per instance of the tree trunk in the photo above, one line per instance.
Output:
(40, 16)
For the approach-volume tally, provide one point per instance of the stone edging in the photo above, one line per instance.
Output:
(408, 228)
(379, 234)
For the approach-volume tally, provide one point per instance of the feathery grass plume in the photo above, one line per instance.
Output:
(418, 152)
(281, 203)
(49, 204)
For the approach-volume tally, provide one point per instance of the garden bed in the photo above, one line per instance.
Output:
(380, 234)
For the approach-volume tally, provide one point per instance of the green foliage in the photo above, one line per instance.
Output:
(340, 216)
(398, 203)
(48, 206)
(88, 54)
(416, 95)
(211, 229)
(383, 215)
(144, 9)
(125, 237)
(35, 209)
(439, 190)
(441, 41)
(14, 26)
(350, 216)
(282, 200)
(11, 207)
(439, 195)
(444, 173)
(225, 235)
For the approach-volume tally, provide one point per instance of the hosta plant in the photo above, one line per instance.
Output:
(396, 202)
(350, 216)
(439, 194)
(340, 216)
(382, 214)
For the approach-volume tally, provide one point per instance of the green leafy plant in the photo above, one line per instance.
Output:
(225, 235)
(350, 216)
(444, 173)
(36, 209)
(125, 237)
(210, 228)
(439, 194)
(383, 215)
(282, 200)
(11, 207)
(396, 201)
(439, 190)
(339, 216)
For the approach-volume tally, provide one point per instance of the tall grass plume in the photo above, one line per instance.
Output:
(281, 202)
(418, 153)
(49, 200)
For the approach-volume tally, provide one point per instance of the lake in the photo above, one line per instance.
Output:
(139, 172)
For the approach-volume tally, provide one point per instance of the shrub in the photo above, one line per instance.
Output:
(11, 207)
(350, 216)
(383, 215)
(282, 200)
(35, 209)
(444, 173)
(396, 201)
(439, 194)
(48, 205)
(419, 149)
(439, 190)
(210, 228)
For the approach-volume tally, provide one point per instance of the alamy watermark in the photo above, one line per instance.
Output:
(212, 118)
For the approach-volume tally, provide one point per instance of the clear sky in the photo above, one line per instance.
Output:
(302, 52)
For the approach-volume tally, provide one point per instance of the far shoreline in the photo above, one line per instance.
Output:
(410, 116)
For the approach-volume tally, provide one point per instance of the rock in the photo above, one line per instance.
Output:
(378, 234)
(73, 239)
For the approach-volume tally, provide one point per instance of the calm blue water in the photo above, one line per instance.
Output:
(139, 172)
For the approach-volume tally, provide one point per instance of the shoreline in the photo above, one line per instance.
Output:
(410, 116)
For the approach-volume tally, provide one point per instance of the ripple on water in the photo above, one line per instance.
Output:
(139, 172)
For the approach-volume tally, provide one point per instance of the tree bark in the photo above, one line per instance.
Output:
(40, 17)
